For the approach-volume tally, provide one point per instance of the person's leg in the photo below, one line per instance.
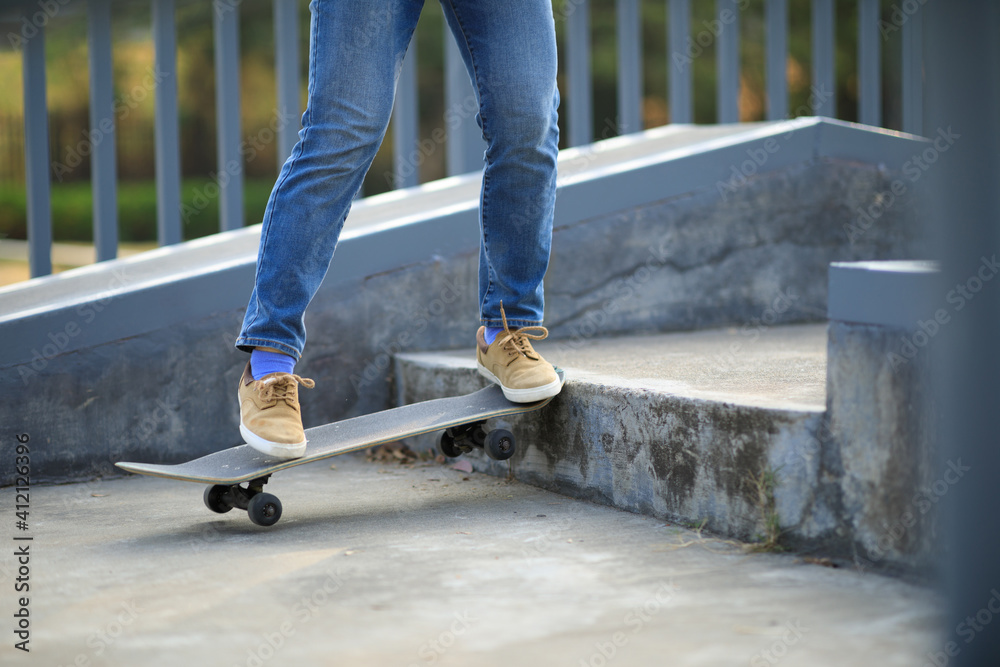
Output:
(355, 55)
(509, 49)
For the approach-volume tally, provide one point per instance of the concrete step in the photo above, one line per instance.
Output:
(720, 427)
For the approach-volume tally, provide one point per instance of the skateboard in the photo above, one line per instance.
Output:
(461, 420)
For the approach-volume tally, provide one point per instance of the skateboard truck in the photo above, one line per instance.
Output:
(264, 509)
(457, 440)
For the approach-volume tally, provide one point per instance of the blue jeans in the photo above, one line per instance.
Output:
(356, 53)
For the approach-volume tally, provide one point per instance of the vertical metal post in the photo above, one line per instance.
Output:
(404, 123)
(962, 106)
(580, 120)
(681, 100)
(36, 155)
(869, 64)
(226, 20)
(166, 133)
(913, 73)
(629, 30)
(777, 59)
(103, 169)
(465, 138)
(824, 90)
(728, 40)
(286, 69)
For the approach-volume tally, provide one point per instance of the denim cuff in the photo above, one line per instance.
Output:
(248, 344)
(516, 324)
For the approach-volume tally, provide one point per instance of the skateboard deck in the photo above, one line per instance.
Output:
(461, 418)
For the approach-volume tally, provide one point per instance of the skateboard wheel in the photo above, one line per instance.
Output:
(264, 509)
(217, 498)
(447, 445)
(499, 444)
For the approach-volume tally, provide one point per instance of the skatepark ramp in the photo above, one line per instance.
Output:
(677, 228)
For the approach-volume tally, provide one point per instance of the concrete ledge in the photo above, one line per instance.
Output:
(890, 293)
(884, 317)
(679, 425)
(882, 422)
(682, 444)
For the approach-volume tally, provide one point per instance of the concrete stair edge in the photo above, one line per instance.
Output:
(613, 451)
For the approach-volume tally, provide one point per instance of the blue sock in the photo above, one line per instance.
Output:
(264, 363)
(491, 334)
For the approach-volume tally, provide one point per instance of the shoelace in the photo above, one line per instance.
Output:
(520, 339)
(278, 388)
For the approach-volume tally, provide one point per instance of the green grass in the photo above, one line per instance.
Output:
(764, 484)
(72, 214)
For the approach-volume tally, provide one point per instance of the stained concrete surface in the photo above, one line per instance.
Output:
(377, 564)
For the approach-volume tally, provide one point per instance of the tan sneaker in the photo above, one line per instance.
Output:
(511, 362)
(270, 420)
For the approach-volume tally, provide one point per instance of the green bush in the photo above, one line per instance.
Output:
(72, 213)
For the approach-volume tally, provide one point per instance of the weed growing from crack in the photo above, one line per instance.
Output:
(765, 483)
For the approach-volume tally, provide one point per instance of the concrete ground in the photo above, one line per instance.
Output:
(377, 564)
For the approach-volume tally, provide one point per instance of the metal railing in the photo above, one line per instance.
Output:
(464, 141)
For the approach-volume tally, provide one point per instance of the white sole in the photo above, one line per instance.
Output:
(273, 449)
(529, 395)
